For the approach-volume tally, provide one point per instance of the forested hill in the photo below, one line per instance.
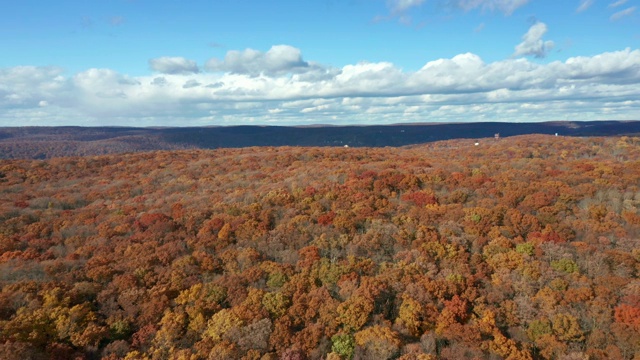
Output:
(523, 248)
(48, 142)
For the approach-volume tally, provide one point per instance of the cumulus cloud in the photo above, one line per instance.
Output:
(215, 85)
(585, 4)
(620, 14)
(460, 88)
(27, 86)
(190, 84)
(101, 86)
(532, 43)
(93, 77)
(173, 65)
(620, 67)
(159, 81)
(280, 59)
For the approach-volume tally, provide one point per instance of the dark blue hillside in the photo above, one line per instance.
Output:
(379, 136)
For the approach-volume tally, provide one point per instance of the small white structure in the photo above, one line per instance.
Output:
(346, 146)
(477, 143)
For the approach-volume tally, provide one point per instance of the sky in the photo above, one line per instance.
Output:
(340, 62)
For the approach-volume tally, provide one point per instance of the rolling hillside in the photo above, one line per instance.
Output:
(48, 142)
(524, 248)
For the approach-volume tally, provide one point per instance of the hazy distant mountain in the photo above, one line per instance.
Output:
(47, 142)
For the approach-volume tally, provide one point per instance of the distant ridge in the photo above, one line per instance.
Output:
(47, 142)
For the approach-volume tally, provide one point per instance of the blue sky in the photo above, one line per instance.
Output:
(178, 63)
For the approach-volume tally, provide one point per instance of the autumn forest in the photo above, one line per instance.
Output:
(525, 247)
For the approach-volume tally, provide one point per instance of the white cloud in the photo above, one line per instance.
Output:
(532, 43)
(461, 88)
(612, 67)
(620, 14)
(280, 59)
(403, 5)
(584, 5)
(173, 65)
(617, 3)
(315, 108)
(506, 7)
(399, 8)
(27, 86)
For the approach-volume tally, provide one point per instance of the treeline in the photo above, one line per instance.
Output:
(522, 248)
(49, 142)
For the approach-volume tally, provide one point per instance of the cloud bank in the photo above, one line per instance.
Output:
(279, 87)
(280, 59)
